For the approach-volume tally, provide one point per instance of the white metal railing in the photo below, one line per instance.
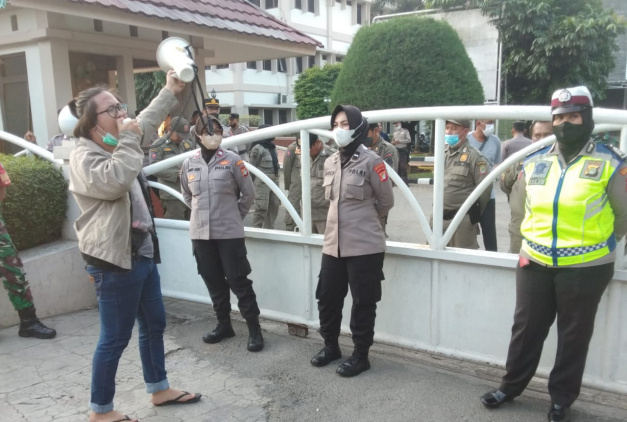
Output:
(29, 146)
(606, 120)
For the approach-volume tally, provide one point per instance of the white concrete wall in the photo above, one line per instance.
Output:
(58, 282)
(457, 303)
(481, 41)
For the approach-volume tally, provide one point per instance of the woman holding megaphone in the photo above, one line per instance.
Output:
(116, 236)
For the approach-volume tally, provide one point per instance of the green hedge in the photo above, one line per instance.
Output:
(36, 201)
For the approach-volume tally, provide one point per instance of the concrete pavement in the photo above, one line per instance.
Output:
(48, 380)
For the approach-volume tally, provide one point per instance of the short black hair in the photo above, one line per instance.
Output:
(519, 126)
(312, 139)
(196, 113)
(372, 126)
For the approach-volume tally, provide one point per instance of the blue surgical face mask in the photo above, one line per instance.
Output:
(451, 140)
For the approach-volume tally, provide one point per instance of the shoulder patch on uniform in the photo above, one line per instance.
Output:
(153, 155)
(590, 148)
(483, 167)
(197, 155)
(616, 151)
(623, 172)
(289, 152)
(380, 170)
(244, 171)
(239, 163)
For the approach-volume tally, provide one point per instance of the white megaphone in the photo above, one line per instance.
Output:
(67, 121)
(172, 53)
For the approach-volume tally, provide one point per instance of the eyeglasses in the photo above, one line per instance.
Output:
(115, 110)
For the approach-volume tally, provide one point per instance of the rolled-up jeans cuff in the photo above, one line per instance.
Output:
(101, 408)
(157, 386)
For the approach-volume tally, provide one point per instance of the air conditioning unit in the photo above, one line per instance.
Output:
(281, 99)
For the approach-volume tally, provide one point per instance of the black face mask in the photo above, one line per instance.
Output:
(368, 141)
(571, 138)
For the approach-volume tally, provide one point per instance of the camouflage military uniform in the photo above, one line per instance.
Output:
(12, 272)
(162, 149)
(293, 185)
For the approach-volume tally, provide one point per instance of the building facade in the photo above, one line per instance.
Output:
(265, 88)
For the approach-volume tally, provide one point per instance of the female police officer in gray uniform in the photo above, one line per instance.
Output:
(360, 192)
(210, 182)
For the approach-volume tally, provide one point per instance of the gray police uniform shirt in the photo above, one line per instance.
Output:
(319, 203)
(388, 152)
(211, 190)
(491, 151)
(359, 194)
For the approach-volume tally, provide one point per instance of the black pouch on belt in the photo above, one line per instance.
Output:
(475, 213)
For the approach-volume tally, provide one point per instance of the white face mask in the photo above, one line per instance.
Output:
(489, 130)
(397, 126)
(343, 137)
(211, 142)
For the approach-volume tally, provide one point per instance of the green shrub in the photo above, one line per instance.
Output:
(313, 89)
(244, 120)
(407, 62)
(36, 201)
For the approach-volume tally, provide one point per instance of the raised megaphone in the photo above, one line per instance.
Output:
(67, 121)
(173, 53)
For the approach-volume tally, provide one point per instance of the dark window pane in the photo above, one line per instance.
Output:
(267, 65)
(282, 65)
(222, 66)
(312, 61)
(282, 116)
(299, 65)
(256, 2)
(267, 117)
(251, 65)
(270, 4)
(311, 6)
(359, 14)
(298, 4)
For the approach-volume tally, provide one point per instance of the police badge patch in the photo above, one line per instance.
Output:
(540, 172)
(592, 170)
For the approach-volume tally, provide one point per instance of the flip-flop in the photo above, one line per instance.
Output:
(197, 397)
(126, 418)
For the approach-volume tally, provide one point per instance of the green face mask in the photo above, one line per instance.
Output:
(368, 142)
(110, 140)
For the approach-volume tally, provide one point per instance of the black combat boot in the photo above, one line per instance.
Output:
(223, 330)
(30, 326)
(356, 364)
(255, 339)
(328, 354)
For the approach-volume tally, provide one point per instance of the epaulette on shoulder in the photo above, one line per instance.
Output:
(539, 152)
(614, 150)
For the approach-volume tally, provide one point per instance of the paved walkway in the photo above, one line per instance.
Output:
(48, 380)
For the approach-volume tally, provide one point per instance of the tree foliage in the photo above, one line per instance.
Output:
(147, 86)
(311, 89)
(407, 62)
(550, 44)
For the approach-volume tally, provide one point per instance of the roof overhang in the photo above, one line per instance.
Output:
(226, 42)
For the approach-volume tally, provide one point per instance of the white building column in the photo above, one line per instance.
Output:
(49, 85)
(126, 80)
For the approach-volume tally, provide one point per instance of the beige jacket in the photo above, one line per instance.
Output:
(359, 195)
(101, 181)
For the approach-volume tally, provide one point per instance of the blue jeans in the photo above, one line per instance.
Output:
(123, 297)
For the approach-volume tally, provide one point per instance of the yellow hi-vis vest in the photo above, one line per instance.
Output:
(568, 217)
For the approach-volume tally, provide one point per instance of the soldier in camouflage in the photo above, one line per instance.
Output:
(14, 281)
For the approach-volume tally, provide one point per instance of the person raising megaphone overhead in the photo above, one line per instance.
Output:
(116, 236)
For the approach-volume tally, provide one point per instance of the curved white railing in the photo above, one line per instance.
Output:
(29, 146)
(437, 240)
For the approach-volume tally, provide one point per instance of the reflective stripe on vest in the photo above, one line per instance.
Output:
(568, 218)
